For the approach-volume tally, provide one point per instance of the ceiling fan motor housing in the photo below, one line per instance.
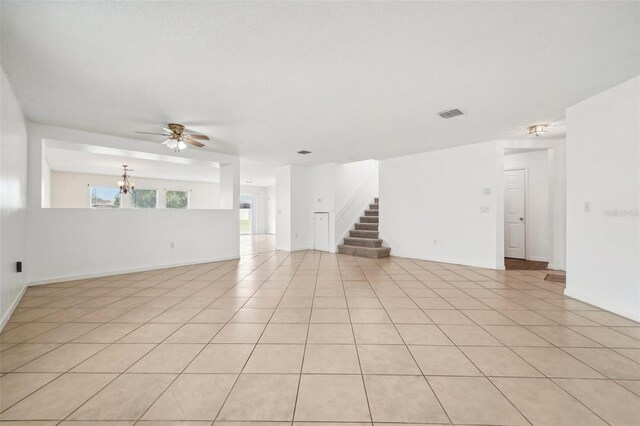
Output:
(177, 129)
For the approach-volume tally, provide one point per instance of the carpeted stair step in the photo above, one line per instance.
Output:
(370, 252)
(366, 227)
(368, 219)
(371, 212)
(376, 200)
(363, 234)
(362, 242)
(374, 206)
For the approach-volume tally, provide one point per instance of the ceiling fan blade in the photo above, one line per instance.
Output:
(194, 143)
(201, 137)
(166, 129)
(149, 133)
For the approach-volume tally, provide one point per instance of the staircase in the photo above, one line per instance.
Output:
(363, 240)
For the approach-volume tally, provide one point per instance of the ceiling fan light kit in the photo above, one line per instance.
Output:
(178, 137)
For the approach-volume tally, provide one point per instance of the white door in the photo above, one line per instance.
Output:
(321, 231)
(514, 218)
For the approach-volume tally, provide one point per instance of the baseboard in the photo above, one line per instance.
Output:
(537, 259)
(124, 271)
(14, 305)
(556, 268)
(591, 301)
(493, 267)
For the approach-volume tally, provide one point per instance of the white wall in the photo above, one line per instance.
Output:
(430, 205)
(46, 183)
(71, 190)
(320, 196)
(283, 208)
(73, 243)
(603, 199)
(13, 201)
(301, 238)
(537, 202)
(302, 191)
(271, 210)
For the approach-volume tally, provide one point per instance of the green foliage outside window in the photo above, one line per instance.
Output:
(144, 198)
(177, 199)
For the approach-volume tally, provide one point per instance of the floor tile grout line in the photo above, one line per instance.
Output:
(505, 396)
(156, 345)
(259, 337)
(69, 370)
(304, 352)
(355, 343)
(525, 307)
(124, 372)
(407, 347)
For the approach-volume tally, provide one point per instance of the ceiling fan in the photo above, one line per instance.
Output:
(178, 137)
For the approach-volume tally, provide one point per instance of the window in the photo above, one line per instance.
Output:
(177, 199)
(144, 199)
(104, 198)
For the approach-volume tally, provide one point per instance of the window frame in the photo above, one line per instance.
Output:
(92, 187)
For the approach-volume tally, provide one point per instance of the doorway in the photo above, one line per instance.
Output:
(514, 213)
(247, 208)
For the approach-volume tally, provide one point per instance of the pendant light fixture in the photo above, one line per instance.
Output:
(124, 185)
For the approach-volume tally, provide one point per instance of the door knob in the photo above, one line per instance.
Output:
(522, 218)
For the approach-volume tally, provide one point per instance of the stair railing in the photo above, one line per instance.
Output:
(347, 207)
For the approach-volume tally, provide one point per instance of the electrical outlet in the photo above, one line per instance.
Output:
(486, 191)
(484, 209)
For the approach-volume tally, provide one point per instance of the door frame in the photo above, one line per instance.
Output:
(253, 213)
(526, 206)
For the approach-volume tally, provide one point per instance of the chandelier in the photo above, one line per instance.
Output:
(538, 129)
(124, 185)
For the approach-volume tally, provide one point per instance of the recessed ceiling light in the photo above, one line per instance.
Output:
(304, 152)
(538, 129)
(450, 113)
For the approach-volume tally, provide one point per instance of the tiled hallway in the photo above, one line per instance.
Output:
(317, 337)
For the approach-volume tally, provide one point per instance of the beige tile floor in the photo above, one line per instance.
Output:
(313, 337)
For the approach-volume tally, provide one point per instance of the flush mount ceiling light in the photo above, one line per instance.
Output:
(538, 129)
(124, 185)
(304, 152)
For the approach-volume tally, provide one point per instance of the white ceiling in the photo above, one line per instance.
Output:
(77, 161)
(342, 79)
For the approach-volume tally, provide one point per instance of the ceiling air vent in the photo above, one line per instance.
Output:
(304, 152)
(450, 113)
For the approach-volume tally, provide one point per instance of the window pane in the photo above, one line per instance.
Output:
(144, 198)
(105, 198)
(177, 199)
